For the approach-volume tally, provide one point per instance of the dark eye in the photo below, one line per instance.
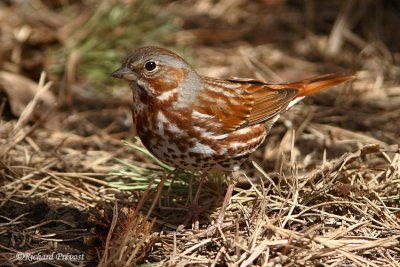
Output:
(150, 66)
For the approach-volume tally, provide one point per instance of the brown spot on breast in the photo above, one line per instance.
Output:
(182, 147)
(225, 165)
(194, 155)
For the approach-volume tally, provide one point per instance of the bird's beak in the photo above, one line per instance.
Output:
(124, 73)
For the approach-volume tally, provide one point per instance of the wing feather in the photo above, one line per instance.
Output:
(228, 105)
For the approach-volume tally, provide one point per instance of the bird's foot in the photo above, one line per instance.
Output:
(192, 216)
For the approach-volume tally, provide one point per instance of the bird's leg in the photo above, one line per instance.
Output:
(231, 181)
(195, 202)
(194, 209)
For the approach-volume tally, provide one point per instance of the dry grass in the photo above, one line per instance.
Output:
(323, 190)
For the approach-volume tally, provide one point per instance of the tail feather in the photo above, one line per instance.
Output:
(310, 86)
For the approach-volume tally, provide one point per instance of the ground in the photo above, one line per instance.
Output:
(78, 189)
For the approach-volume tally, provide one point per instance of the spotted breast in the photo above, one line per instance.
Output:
(199, 123)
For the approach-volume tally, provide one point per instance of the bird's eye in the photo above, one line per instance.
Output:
(150, 66)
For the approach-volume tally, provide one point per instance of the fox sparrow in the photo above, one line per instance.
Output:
(205, 124)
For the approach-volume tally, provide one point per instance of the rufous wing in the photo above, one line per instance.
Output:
(228, 105)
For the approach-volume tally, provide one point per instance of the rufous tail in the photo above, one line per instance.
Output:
(310, 86)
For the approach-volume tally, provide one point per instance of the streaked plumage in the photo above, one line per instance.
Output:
(205, 124)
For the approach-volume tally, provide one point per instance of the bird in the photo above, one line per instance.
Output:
(205, 124)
